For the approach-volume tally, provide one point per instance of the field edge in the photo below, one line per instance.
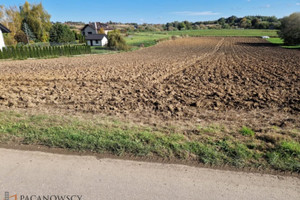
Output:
(240, 149)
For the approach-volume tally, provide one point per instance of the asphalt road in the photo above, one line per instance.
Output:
(42, 174)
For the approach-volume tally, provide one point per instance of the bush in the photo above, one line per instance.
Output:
(8, 39)
(116, 41)
(290, 29)
(20, 36)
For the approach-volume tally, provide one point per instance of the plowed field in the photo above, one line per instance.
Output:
(177, 79)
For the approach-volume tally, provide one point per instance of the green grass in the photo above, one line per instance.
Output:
(279, 41)
(122, 138)
(135, 41)
(210, 129)
(102, 50)
(151, 38)
(147, 39)
(247, 131)
(285, 156)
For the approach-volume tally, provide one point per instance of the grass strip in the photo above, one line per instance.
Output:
(279, 42)
(119, 138)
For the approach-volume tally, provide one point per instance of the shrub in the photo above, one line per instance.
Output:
(116, 41)
(20, 36)
(290, 29)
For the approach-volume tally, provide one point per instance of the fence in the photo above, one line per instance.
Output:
(24, 52)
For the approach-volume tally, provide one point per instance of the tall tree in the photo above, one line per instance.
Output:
(245, 23)
(60, 33)
(29, 34)
(231, 20)
(221, 21)
(181, 26)
(37, 19)
(11, 18)
(188, 25)
(101, 31)
(290, 29)
(1, 12)
(255, 22)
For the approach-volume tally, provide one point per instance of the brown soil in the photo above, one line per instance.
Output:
(186, 79)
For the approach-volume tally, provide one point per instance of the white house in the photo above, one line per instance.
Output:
(3, 29)
(93, 28)
(96, 40)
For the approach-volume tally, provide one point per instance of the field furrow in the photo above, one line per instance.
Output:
(176, 79)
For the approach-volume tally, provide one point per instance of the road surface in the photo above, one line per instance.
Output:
(41, 174)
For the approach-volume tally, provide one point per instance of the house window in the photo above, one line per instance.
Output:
(90, 33)
(97, 41)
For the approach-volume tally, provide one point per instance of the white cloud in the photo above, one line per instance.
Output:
(191, 13)
(297, 4)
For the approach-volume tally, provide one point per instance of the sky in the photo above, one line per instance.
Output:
(159, 11)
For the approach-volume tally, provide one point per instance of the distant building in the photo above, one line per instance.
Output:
(94, 28)
(96, 40)
(265, 37)
(3, 29)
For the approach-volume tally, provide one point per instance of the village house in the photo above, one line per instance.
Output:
(96, 40)
(3, 29)
(94, 28)
(92, 36)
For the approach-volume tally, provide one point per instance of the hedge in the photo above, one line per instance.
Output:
(42, 52)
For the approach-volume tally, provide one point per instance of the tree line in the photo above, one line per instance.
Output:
(247, 22)
(30, 23)
(289, 27)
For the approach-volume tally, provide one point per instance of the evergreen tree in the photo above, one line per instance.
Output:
(21, 51)
(38, 49)
(27, 30)
(29, 52)
(4, 53)
(50, 51)
(36, 52)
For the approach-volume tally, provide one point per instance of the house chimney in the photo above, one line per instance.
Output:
(96, 28)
